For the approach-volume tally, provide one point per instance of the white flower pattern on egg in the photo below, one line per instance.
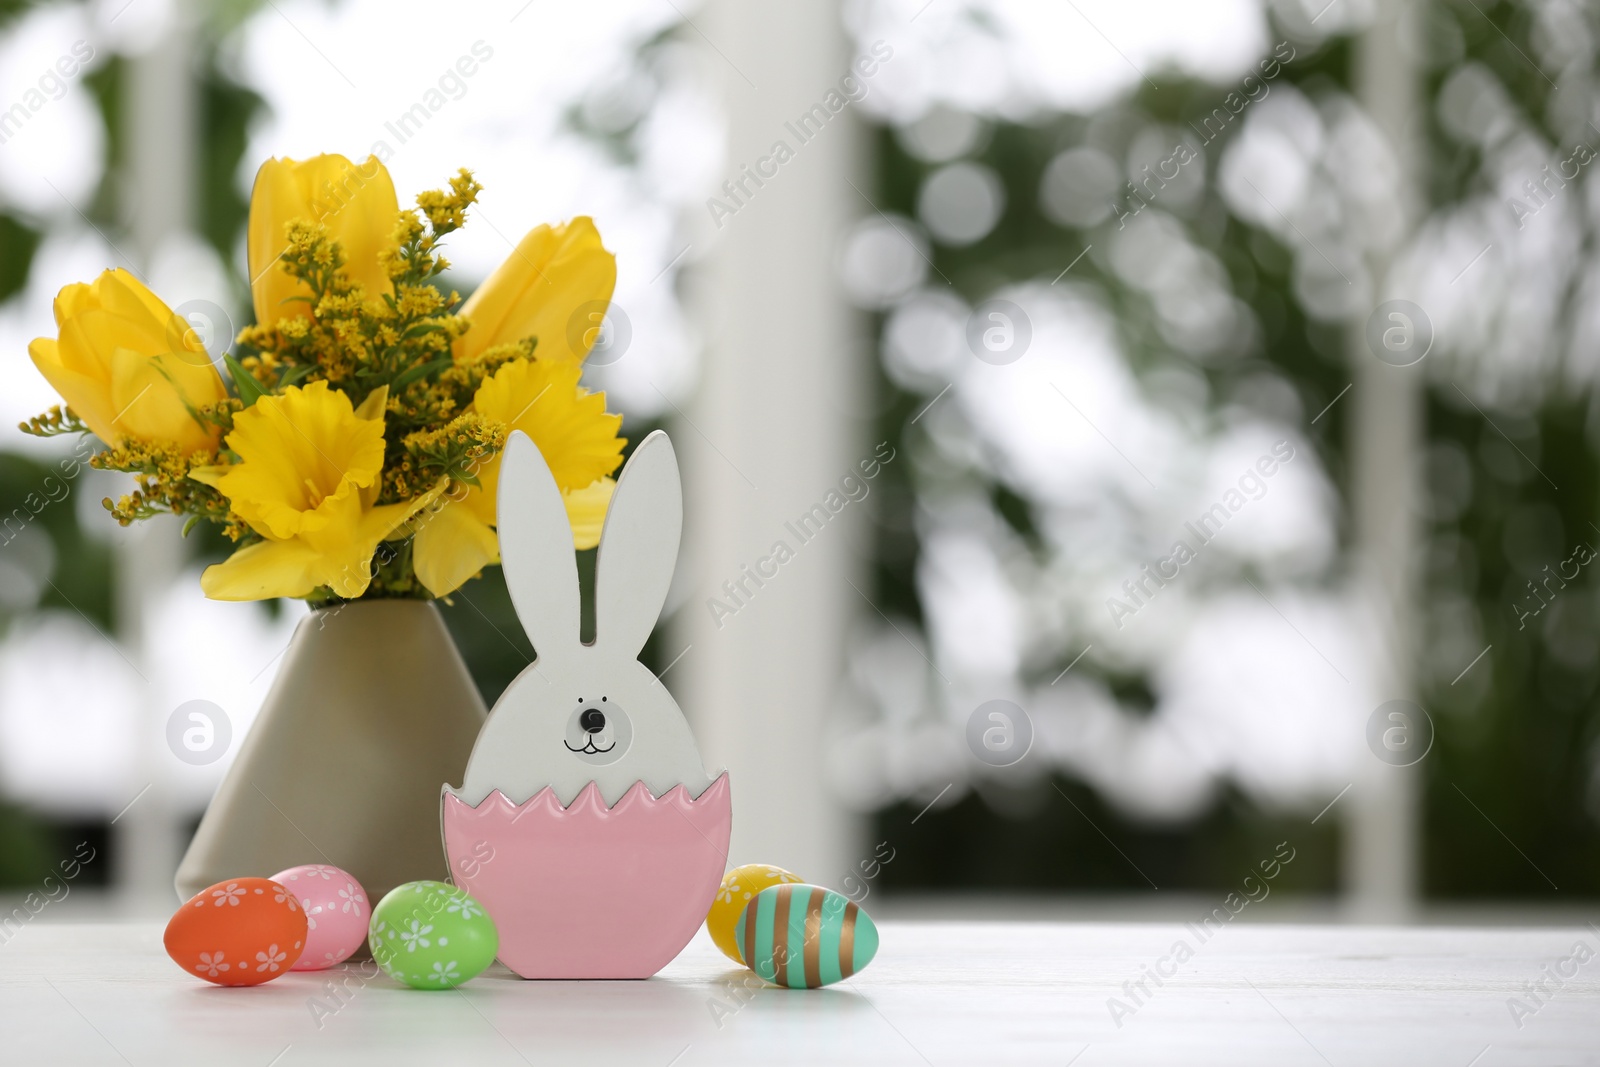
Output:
(352, 897)
(211, 964)
(271, 958)
(229, 895)
(416, 935)
(465, 906)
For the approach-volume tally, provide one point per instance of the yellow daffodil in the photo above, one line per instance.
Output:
(554, 286)
(129, 366)
(579, 441)
(356, 203)
(309, 473)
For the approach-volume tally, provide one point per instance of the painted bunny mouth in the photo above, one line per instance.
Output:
(589, 748)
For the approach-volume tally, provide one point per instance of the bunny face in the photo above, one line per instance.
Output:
(600, 733)
(582, 713)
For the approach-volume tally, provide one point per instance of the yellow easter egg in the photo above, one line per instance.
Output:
(739, 887)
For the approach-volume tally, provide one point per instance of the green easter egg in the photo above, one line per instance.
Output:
(430, 935)
(804, 936)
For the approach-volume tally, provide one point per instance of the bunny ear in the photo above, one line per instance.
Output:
(536, 552)
(638, 547)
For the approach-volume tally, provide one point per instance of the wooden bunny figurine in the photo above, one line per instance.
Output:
(587, 825)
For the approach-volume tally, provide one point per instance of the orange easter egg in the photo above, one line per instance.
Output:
(242, 931)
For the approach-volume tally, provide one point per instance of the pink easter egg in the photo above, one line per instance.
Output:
(336, 910)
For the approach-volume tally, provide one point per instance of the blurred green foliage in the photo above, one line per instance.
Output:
(19, 242)
(81, 579)
(1047, 837)
(46, 563)
(1524, 746)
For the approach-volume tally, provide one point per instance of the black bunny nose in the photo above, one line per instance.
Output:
(593, 720)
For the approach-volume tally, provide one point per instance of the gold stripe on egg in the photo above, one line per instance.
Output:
(813, 955)
(780, 936)
(847, 941)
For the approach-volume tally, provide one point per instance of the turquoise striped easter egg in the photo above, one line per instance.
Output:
(804, 936)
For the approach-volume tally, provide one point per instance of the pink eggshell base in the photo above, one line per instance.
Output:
(588, 891)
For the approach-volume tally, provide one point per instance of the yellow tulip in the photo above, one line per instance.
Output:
(356, 203)
(579, 441)
(128, 365)
(555, 286)
(309, 473)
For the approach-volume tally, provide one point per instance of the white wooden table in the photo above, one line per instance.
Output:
(938, 993)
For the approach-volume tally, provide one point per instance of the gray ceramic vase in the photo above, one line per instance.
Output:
(371, 712)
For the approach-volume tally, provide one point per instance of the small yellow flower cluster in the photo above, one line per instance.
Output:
(352, 338)
(58, 420)
(164, 486)
(448, 211)
(163, 476)
(457, 450)
(432, 403)
(411, 257)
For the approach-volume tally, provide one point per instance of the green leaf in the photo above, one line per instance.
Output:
(294, 374)
(421, 371)
(192, 522)
(248, 388)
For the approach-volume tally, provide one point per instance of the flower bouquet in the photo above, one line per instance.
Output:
(353, 451)
(351, 454)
